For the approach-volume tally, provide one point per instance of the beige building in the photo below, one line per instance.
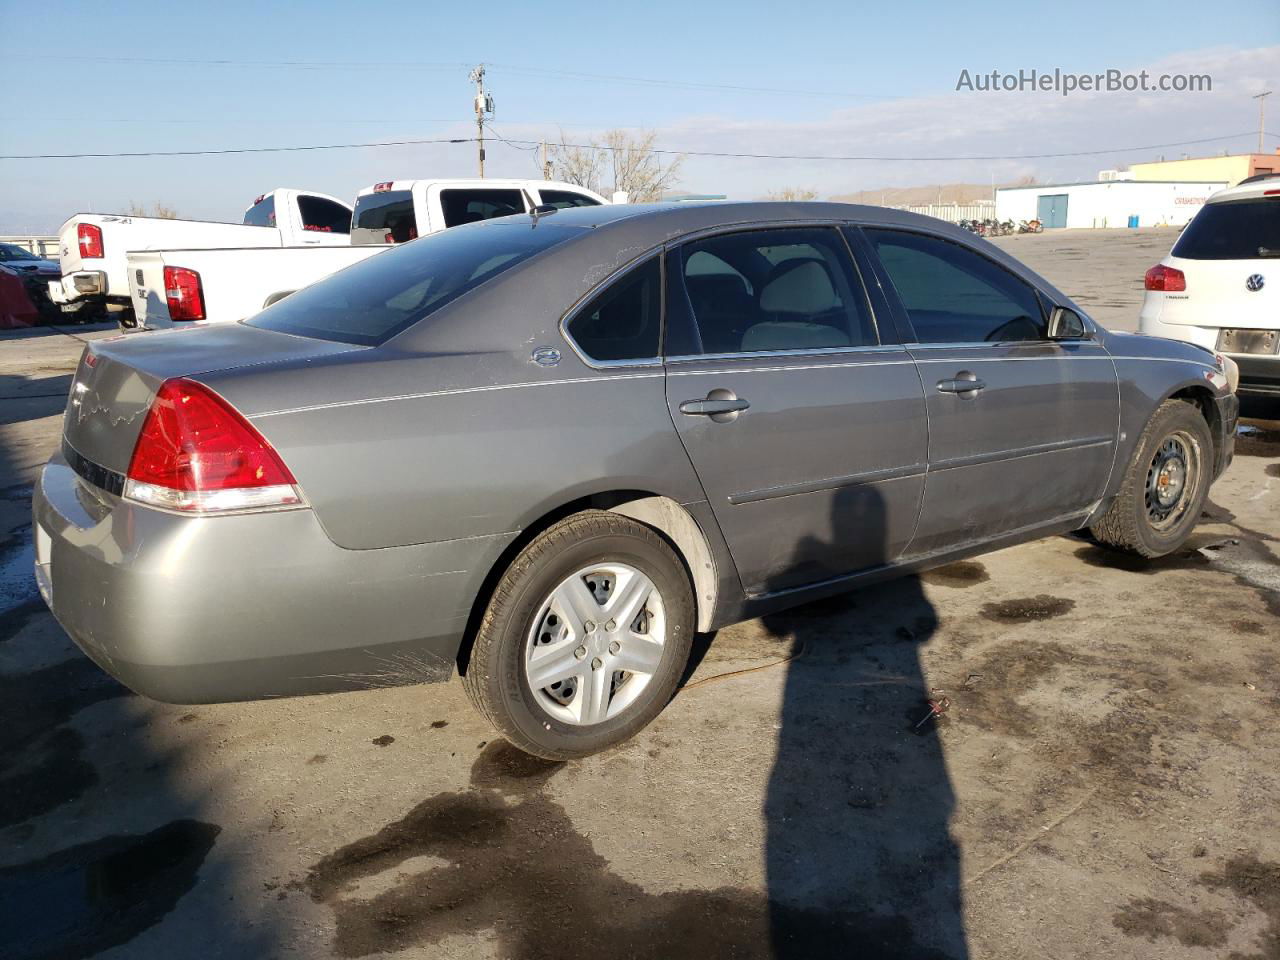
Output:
(1232, 169)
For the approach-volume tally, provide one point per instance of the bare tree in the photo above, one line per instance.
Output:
(792, 194)
(1027, 180)
(163, 211)
(619, 161)
(580, 165)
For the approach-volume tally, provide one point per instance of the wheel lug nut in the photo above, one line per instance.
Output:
(611, 625)
(596, 663)
(589, 626)
(580, 652)
(615, 647)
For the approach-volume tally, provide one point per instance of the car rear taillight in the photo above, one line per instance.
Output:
(197, 454)
(89, 237)
(1168, 279)
(182, 291)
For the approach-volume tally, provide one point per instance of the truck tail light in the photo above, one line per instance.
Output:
(197, 454)
(383, 187)
(1168, 279)
(89, 237)
(182, 291)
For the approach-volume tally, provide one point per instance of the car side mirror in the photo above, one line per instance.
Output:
(1066, 324)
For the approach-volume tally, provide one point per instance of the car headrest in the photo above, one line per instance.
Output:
(799, 286)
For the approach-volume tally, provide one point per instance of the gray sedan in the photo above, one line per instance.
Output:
(545, 451)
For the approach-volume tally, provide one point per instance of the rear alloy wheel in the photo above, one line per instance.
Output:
(1165, 486)
(585, 638)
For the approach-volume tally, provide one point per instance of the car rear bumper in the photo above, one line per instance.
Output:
(78, 286)
(244, 607)
(1259, 374)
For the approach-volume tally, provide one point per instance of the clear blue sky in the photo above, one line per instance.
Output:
(844, 58)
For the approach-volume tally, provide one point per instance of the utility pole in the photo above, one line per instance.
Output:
(546, 164)
(1262, 118)
(484, 106)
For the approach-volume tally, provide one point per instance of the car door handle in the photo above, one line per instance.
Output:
(962, 385)
(722, 406)
(709, 408)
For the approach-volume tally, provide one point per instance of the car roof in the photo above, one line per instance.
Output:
(462, 183)
(1256, 187)
(676, 217)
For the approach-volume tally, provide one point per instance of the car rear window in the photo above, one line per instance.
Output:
(324, 216)
(262, 213)
(481, 203)
(372, 301)
(1233, 230)
(384, 218)
(564, 199)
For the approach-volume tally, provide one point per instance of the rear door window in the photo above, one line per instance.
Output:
(384, 218)
(470, 206)
(262, 213)
(623, 323)
(324, 216)
(372, 301)
(955, 295)
(1233, 230)
(771, 290)
(564, 199)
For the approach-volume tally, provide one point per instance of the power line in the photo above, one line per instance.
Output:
(208, 153)
(525, 144)
(285, 64)
(683, 84)
(790, 156)
(547, 72)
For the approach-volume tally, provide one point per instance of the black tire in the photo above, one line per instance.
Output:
(496, 676)
(1137, 522)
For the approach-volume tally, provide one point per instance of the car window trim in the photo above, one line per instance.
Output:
(900, 309)
(584, 301)
(796, 352)
(673, 248)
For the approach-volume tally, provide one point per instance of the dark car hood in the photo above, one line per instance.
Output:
(31, 266)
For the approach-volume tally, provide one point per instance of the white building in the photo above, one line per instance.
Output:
(1107, 203)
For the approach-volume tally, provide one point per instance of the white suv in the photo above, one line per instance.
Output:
(1220, 285)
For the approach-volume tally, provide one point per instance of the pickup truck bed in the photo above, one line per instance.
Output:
(233, 283)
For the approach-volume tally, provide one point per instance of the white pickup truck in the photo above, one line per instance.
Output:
(93, 247)
(175, 286)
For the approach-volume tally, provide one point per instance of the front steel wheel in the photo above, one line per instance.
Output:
(1172, 477)
(585, 638)
(1165, 486)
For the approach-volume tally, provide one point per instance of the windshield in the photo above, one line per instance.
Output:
(1233, 230)
(372, 301)
(384, 218)
(11, 251)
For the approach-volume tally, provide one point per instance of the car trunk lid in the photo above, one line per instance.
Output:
(117, 379)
